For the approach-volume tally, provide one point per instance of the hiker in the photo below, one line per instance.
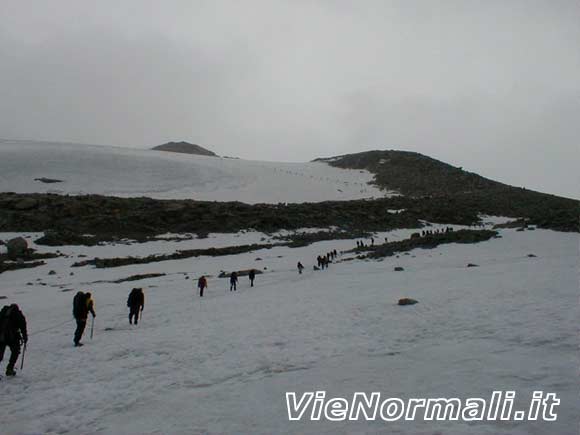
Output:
(335, 253)
(82, 305)
(319, 261)
(233, 281)
(136, 303)
(201, 285)
(372, 241)
(252, 276)
(12, 333)
(300, 267)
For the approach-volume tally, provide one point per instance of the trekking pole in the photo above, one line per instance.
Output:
(23, 353)
(92, 326)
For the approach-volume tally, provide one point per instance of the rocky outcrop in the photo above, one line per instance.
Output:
(184, 148)
(407, 301)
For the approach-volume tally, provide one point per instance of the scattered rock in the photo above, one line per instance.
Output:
(3, 297)
(472, 265)
(71, 274)
(52, 272)
(520, 229)
(48, 180)
(407, 301)
(532, 255)
(187, 277)
(17, 248)
(258, 259)
(398, 269)
(139, 277)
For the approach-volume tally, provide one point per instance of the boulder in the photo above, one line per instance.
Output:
(398, 269)
(407, 301)
(17, 247)
(472, 265)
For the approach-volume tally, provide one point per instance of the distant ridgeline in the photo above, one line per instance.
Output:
(417, 176)
(184, 148)
(432, 191)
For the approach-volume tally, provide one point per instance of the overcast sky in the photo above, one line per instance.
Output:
(490, 85)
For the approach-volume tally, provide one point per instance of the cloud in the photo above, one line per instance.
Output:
(476, 84)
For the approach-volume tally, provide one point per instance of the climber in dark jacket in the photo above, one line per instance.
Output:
(82, 305)
(233, 281)
(136, 303)
(12, 332)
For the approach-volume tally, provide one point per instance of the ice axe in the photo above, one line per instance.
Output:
(92, 326)
(23, 353)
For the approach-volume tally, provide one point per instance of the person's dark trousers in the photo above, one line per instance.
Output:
(14, 352)
(201, 292)
(134, 313)
(81, 323)
(233, 286)
(251, 283)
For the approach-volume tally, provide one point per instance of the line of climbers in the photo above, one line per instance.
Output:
(322, 261)
(13, 329)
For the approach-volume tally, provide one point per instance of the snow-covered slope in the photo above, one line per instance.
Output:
(222, 365)
(116, 171)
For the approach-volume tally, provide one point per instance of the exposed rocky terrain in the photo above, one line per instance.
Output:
(184, 148)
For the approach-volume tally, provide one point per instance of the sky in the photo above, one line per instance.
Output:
(490, 85)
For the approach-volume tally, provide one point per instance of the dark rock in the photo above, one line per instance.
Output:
(407, 301)
(139, 277)
(532, 255)
(3, 297)
(472, 265)
(52, 272)
(398, 269)
(17, 248)
(48, 180)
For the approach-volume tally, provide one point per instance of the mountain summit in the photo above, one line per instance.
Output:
(184, 148)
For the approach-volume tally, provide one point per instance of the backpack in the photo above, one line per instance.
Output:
(79, 304)
(6, 327)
